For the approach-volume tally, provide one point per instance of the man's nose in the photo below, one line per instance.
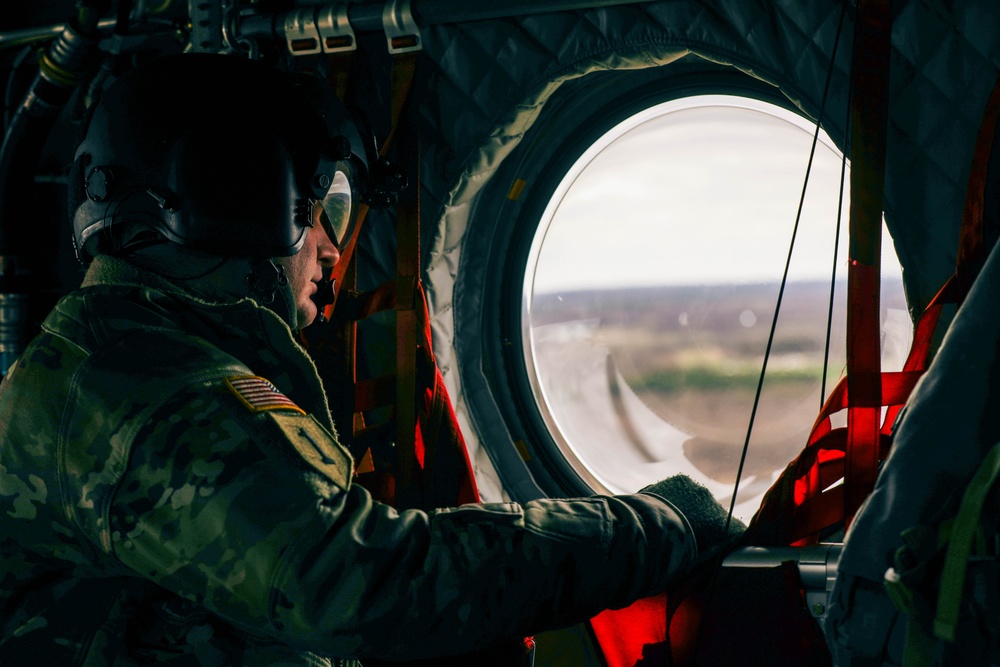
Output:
(326, 251)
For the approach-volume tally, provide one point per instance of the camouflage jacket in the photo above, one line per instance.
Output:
(172, 492)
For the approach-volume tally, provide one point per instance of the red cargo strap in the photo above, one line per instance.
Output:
(431, 466)
(802, 503)
(805, 501)
(869, 116)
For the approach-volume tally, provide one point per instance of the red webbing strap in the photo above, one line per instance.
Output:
(923, 339)
(446, 455)
(869, 116)
(433, 467)
(627, 635)
(802, 503)
(429, 442)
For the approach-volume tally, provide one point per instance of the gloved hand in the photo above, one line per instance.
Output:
(706, 516)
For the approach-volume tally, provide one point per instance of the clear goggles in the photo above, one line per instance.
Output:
(337, 210)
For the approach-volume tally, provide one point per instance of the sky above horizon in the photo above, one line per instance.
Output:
(703, 190)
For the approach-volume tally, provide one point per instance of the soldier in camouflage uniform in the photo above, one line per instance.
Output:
(172, 490)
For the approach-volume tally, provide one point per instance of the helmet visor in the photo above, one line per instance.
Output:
(337, 211)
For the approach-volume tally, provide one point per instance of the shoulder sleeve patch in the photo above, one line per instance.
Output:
(317, 446)
(259, 395)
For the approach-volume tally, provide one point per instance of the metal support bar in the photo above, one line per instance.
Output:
(334, 24)
(401, 20)
(401, 32)
(368, 16)
(817, 568)
(12, 38)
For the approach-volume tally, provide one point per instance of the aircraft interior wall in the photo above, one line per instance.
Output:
(505, 99)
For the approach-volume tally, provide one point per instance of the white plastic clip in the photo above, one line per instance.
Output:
(401, 31)
(335, 31)
(301, 33)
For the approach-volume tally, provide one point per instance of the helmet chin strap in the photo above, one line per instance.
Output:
(268, 285)
(284, 306)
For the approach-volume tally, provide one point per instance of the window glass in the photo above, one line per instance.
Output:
(652, 284)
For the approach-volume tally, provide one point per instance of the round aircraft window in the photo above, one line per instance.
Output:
(652, 283)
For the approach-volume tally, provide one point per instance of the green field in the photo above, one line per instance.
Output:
(694, 356)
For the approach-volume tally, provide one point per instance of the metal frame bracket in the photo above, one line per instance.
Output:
(301, 33)
(206, 26)
(401, 32)
(335, 31)
(310, 31)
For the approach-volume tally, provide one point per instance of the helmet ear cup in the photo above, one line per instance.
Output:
(100, 183)
(76, 193)
(237, 197)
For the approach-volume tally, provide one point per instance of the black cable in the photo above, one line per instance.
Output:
(836, 246)
(721, 554)
(8, 99)
(788, 261)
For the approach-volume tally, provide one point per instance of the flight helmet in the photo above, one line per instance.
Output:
(218, 153)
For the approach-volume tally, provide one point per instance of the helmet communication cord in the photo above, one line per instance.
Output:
(264, 279)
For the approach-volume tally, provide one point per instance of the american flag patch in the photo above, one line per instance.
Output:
(260, 395)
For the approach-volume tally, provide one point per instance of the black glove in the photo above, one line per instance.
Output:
(707, 517)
